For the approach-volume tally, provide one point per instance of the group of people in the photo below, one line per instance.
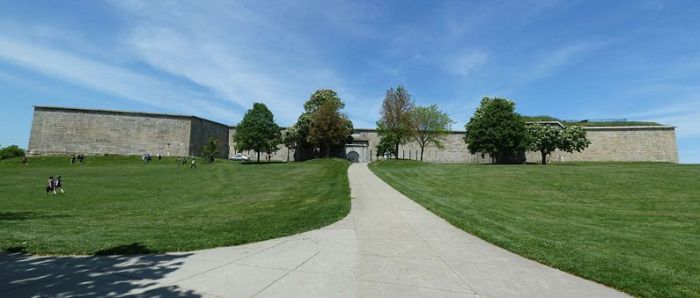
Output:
(183, 161)
(54, 184)
(147, 157)
(78, 157)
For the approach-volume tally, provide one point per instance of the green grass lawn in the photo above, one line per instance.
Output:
(632, 226)
(119, 205)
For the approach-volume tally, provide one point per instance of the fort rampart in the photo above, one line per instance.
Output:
(71, 130)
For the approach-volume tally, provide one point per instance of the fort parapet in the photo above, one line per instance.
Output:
(57, 130)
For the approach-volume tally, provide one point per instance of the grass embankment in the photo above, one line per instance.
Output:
(635, 227)
(595, 123)
(119, 205)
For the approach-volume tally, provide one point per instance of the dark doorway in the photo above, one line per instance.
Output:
(353, 156)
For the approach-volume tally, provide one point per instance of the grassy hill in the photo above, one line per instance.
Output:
(121, 202)
(591, 123)
(632, 226)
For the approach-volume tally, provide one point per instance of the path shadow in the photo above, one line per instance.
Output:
(24, 275)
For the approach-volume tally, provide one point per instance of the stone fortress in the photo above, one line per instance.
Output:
(58, 130)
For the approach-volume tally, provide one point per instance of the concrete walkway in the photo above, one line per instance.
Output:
(388, 246)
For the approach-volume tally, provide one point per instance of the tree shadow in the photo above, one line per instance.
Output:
(128, 249)
(25, 275)
(273, 162)
(8, 216)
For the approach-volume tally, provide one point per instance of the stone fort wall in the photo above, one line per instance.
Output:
(200, 132)
(69, 130)
(633, 143)
(283, 153)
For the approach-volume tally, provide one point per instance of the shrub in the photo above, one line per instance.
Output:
(11, 151)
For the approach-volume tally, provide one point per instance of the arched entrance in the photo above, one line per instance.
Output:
(353, 156)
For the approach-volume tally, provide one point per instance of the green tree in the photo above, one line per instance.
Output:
(271, 147)
(396, 123)
(544, 139)
(290, 138)
(573, 138)
(257, 131)
(431, 125)
(11, 151)
(315, 101)
(209, 150)
(386, 145)
(496, 129)
(329, 127)
(548, 138)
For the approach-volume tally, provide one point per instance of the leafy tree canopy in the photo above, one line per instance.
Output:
(315, 101)
(329, 127)
(11, 151)
(257, 131)
(396, 123)
(209, 150)
(431, 125)
(386, 146)
(548, 138)
(496, 129)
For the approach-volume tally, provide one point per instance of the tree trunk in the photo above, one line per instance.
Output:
(544, 157)
(421, 153)
(397, 151)
(258, 156)
(328, 150)
(287, 154)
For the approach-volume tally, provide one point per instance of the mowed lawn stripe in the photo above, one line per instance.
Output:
(633, 226)
(118, 201)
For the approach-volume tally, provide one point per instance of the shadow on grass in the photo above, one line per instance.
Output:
(24, 275)
(128, 249)
(274, 162)
(26, 215)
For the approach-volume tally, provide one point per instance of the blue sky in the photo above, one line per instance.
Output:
(571, 59)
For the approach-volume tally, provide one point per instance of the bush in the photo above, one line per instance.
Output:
(11, 151)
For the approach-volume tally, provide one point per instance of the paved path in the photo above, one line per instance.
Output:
(388, 246)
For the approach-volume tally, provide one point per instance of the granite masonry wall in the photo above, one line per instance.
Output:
(631, 143)
(69, 130)
(455, 150)
(200, 132)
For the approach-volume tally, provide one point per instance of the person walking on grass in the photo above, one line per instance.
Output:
(58, 184)
(194, 164)
(50, 186)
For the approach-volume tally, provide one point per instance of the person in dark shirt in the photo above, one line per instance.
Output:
(50, 186)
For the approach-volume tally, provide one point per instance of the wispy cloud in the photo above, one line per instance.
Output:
(466, 62)
(684, 115)
(553, 61)
(234, 51)
(106, 78)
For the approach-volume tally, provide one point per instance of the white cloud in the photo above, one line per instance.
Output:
(685, 116)
(236, 52)
(466, 63)
(553, 61)
(107, 78)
